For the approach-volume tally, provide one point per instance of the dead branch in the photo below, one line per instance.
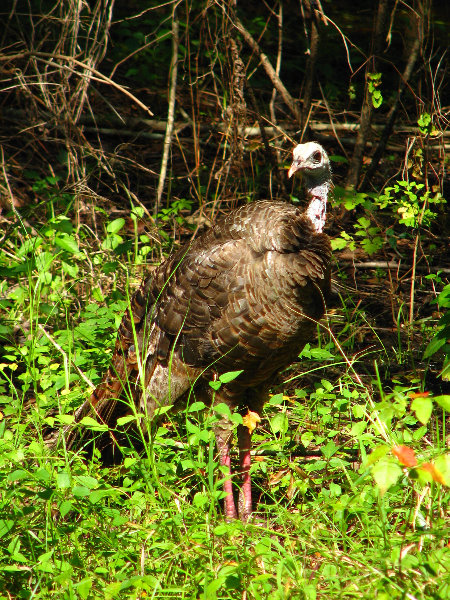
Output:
(288, 99)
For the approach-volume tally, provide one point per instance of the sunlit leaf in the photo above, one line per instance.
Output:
(251, 420)
(405, 455)
(230, 376)
(386, 473)
(422, 407)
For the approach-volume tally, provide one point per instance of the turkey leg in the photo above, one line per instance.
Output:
(224, 445)
(245, 494)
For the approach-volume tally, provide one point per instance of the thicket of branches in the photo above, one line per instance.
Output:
(205, 99)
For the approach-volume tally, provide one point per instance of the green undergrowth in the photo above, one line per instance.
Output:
(350, 472)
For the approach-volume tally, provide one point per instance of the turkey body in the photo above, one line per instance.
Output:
(234, 299)
(245, 295)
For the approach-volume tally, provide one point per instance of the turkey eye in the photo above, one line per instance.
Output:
(317, 156)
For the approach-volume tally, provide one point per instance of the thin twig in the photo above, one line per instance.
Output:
(171, 112)
(49, 57)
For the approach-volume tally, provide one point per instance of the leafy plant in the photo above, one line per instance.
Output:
(373, 84)
(410, 203)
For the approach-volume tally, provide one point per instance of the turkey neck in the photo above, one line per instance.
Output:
(318, 187)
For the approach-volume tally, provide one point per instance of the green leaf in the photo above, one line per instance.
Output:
(115, 226)
(91, 423)
(17, 475)
(439, 340)
(63, 480)
(275, 400)
(375, 455)
(329, 449)
(14, 545)
(386, 473)
(68, 243)
(65, 507)
(230, 376)
(358, 428)
(279, 423)
(86, 480)
(97, 495)
(223, 409)
(306, 438)
(5, 526)
(43, 475)
(196, 406)
(443, 401)
(84, 587)
(66, 419)
(124, 420)
(80, 491)
(422, 407)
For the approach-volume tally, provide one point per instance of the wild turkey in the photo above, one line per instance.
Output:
(245, 295)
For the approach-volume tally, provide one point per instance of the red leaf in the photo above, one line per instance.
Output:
(418, 394)
(405, 455)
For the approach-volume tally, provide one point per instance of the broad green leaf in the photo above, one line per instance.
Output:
(65, 507)
(63, 480)
(17, 475)
(97, 495)
(93, 424)
(329, 449)
(68, 243)
(439, 340)
(230, 376)
(223, 409)
(275, 400)
(201, 499)
(358, 428)
(236, 418)
(124, 420)
(306, 438)
(386, 473)
(375, 455)
(196, 406)
(66, 419)
(86, 480)
(43, 475)
(115, 226)
(5, 526)
(81, 491)
(14, 545)
(443, 401)
(279, 423)
(84, 587)
(422, 407)
(162, 410)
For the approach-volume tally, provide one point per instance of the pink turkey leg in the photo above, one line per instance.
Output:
(225, 461)
(245, 495)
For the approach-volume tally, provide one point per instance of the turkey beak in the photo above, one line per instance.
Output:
(294, 168)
